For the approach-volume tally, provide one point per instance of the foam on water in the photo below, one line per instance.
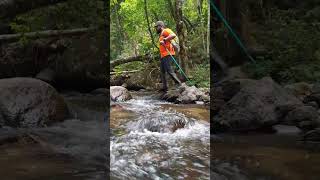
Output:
(143, 154)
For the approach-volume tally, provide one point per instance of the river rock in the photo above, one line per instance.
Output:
(119, 93)
(313, 135)
(302, 114)
(254, 106)
(171, 95)
(313, 104)
(100, 91)
(28, 102)
(314, 97)
(285, 129)
(185, 95)
(189, 94)
(300, 89)
(47, 75)
(231, 88)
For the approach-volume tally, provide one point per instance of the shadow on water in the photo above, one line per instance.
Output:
(265, 156)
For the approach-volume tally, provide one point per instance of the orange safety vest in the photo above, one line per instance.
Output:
(163, 52)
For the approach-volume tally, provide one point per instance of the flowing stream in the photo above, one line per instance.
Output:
(151, 139)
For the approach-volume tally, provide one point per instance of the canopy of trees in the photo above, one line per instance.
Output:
(132, 31)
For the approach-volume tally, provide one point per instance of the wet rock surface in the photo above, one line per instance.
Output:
(27, 102)
(253, 105)
(119, 93)
(186, 95)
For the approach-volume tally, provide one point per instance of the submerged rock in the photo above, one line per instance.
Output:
(28, 102)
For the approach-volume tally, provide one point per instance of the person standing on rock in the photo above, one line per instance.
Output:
(166, 36)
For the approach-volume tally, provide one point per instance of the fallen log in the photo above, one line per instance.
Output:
(117, 62)
(45, 34)
(124, 72)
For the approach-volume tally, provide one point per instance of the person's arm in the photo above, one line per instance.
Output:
(171, 36)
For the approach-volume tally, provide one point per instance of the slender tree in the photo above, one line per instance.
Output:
(149, 28)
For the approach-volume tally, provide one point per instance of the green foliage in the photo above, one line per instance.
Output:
(292, 38)
(129, 29)
(130, 66)
(21, 28)
(71, 14)
(261, 69)
(68, 15)
(130, 35)
(200, 76)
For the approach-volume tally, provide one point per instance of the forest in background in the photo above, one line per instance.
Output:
(66, 37)
(132, 34)
(282, 35)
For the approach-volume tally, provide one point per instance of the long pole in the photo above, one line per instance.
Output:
(177, 64)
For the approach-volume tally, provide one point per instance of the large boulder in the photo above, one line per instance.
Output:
(254, 106)
(27, 102)
(119, 93)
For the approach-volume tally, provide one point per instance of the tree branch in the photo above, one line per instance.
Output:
(124, 72)
(44, 34)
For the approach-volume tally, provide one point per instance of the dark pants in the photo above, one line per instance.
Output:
(165, 67)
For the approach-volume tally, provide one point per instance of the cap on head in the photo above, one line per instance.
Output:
(159, 23)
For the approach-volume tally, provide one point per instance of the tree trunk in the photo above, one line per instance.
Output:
(203, 37)
(183, 56)
(171, 9)
(45, 34)
(208, 31)
(147, 18)
(120, 34)
(225, 42)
